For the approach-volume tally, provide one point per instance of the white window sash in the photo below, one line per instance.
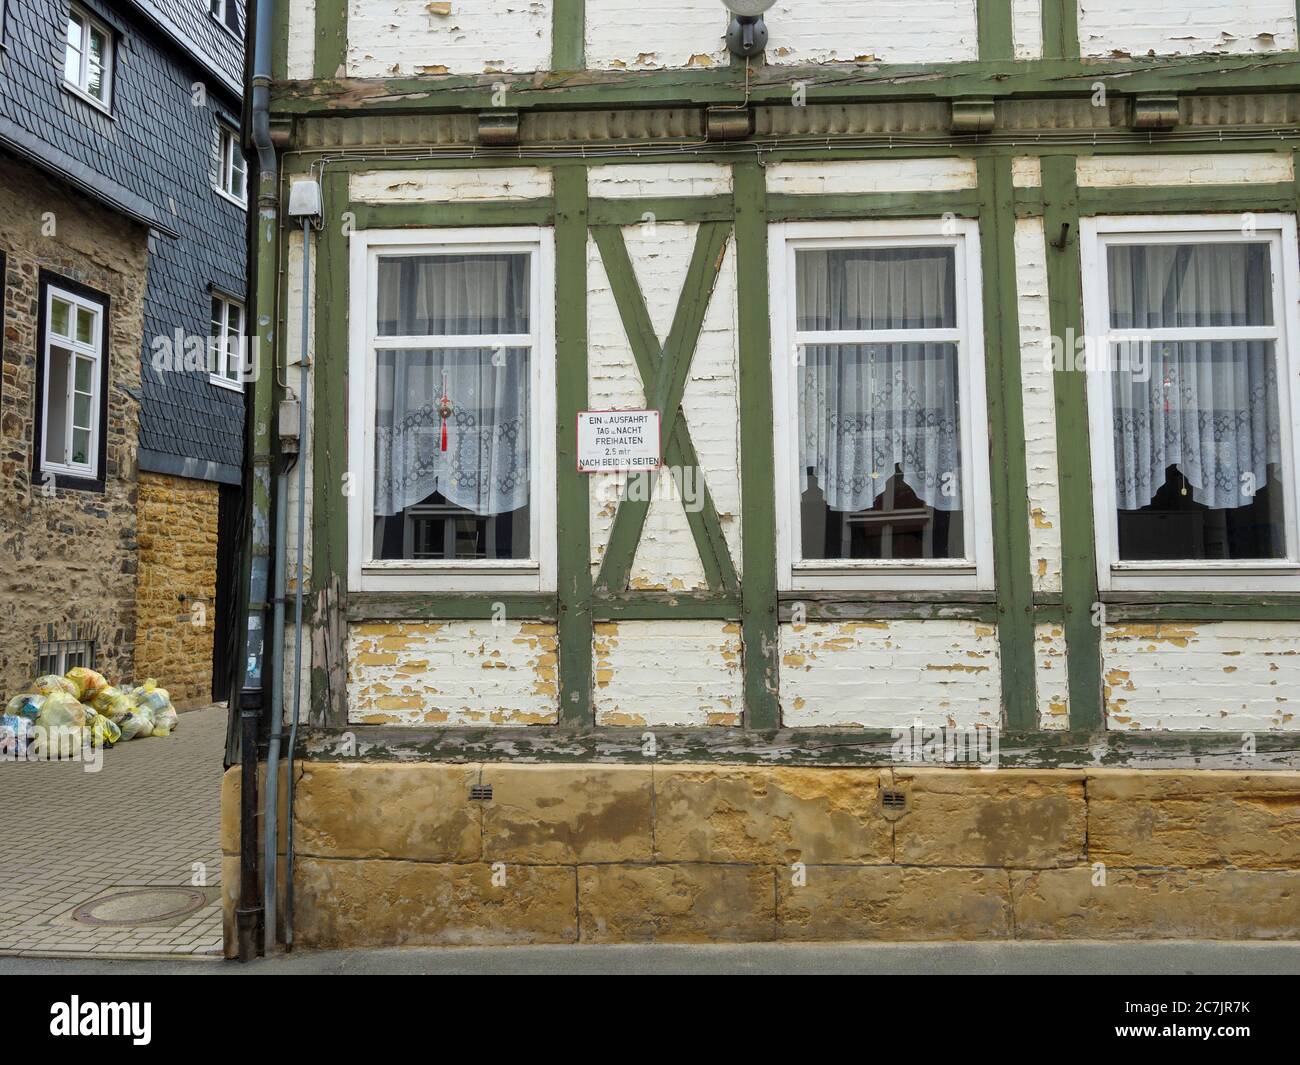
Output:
(88, 24)
(228, 345)
(76, 349)
(1279, 232)
(536, 573)
(795, 573)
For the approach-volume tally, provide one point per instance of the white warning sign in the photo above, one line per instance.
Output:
(610, 441)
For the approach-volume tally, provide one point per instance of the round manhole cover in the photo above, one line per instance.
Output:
(150, 905)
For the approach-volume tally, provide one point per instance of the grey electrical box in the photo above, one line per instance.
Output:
(304, 199)
(288, 428)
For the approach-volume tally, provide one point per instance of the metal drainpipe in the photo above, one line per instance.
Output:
(250, 909)
(272, 812)
(297, 584)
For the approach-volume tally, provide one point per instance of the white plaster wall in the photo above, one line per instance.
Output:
(1051, 677)
(872, 175)
(450, 185)
(1225, 168)
(302, 38)
(1026, 172)
(392, 38)
(1187, 27)
(452, 673)
(627, 180)
(1224, 675)
(890, 674)
(627, 35)
(1027, 28)
(1039, 406)
(667, 673)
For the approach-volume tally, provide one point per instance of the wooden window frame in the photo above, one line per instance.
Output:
(365, 573)
(974, 572)
(1247, 575)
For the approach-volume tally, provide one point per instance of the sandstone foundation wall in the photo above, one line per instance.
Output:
(399, 854)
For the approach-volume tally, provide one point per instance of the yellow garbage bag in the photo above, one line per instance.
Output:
(113, 703)
(100, 731)
(87, 682)
(51, 683)
(61, 710)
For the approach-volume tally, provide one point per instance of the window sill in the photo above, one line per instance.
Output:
(226, 383)
(876, 577)
(86, 98)
(241, 204)
(1168, 577)
(70, 480)
(451, 578)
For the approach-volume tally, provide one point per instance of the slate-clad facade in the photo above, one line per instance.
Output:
(146, 158)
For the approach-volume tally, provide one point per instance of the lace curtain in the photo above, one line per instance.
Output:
(865, 408)
(485, 467)
(1208, 407)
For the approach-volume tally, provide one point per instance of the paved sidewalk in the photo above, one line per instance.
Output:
(1074, 957)
(68, 837)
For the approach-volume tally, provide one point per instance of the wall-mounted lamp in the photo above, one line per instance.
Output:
(747, 34)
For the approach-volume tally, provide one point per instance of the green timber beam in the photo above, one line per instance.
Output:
(331, 38)
(1008, 480)
(573, 535)
(994, 29)
(759, 626)
(1078, 552)
(1060, 29)
(568, 30)
(828, 83)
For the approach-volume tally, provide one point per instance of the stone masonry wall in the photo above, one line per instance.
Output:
(396, 854)
(66, 556)
(178, 585)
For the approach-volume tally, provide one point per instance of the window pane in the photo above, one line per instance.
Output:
(60, 317)
(1198, 452)
(453, 295)
(81, 410)
(85, 326)
(85, 378)
(95, 82)
(72, 57)
(237, 173)
(56, 410)
(880, 451)
(1175, 286)
(452, 454)
(80, 446)
(876, 288)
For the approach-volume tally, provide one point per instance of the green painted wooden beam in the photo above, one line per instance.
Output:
(828, 83)
(502, 213)
(451, 606)
(1060, 29)
(757, 468)
(331, 38)
(784, 747)
(664, 372)
(573, 515)
(994, 28)
(666, 606)
(648, 210)
(568, 30)
(1073, 454)
(785, 207)
(1188, 199)
(1010, 513)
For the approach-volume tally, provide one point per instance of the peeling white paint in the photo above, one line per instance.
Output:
(1039, 402)
(1026, 172)
(889, 31)
(401, 38)
(453, 673)
(632, 35)
(450, 186)
(1051, 677)
(1188, 27)
(890, 674)
(1225, 676)
(1225, 168)
(1027, 28)
(629, 180)
(667, 673)
(872, 175)
(301, 46)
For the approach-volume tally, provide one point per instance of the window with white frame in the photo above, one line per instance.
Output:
(226, 12)
(72, 383)
(231, 169)
(88, 58)
(226, 342)
(452, 392)
(880, 419)
(1192, 394)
